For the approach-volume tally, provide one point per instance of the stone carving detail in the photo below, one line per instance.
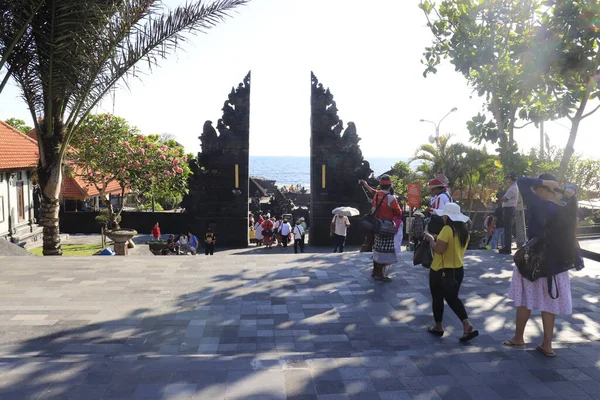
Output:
(213, 199)
(338, 149)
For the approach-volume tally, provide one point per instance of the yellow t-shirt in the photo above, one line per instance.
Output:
(453, 256)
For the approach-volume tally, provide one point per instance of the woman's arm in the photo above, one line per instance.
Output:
(525, 186)
(366, 186)
(438, 246)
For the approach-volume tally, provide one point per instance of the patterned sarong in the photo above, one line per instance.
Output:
(384, 251)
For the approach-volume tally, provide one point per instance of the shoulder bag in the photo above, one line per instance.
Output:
(369, 222)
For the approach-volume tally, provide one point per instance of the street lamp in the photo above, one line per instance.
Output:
(432, 138)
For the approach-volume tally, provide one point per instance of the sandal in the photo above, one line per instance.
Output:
(546, 353)
(472, 334)
(435, 332)
(511, 344)
(386, 279)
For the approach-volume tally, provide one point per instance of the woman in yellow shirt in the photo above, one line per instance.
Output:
(446, 273)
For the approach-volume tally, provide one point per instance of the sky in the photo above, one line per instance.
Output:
(367, 53)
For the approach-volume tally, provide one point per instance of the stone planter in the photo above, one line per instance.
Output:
(121, 238)
(157, 248)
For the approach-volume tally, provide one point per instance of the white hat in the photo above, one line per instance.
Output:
(419, 213)
(452, 211)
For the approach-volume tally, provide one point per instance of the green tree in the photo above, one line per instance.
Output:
(18, 124)
(107, 149)
(487, 42)
(567, 50)
(68, 54)
(441, 157)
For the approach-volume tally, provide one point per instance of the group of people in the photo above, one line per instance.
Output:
(552, 217)
(269, 231)
(184, 244)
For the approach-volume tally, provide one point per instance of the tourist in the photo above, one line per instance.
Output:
(446, 273)
(497, 226)
(267, 232)
(417, 228)
(250, 220)
(338, 230)
(298, 233)
(156, 232)
(387, 207)
(258, 229)
(441, 196)
(552, 217)
(285, 230)
(184, 246)
(209, 239)
(509, 203)
(193, 243)
(276, 234)
(172, 244)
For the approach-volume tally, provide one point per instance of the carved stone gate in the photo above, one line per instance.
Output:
(218, 196)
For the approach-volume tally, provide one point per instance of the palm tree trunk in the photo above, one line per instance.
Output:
(50, 175)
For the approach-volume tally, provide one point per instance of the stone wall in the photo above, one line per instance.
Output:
(337, 165)
(218, 196)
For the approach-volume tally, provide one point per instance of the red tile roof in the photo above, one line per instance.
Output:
(17, 151)
(76, 188)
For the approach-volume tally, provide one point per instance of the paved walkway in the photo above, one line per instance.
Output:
(302, 327)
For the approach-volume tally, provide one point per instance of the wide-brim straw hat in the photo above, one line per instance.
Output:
(452, 211)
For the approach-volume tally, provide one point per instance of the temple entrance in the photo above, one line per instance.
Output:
(222, 194)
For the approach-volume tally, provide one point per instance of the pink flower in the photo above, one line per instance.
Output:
(163, 147)
(143, 151)
(167, 173)
(95, 141)
(126, 144)
(151, 145)
(137, 163)
(184, 158)
(179, 170)
(146, 161)
(162, 157)
(149, 176)
(113, 154)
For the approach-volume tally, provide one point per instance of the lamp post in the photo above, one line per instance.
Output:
(433, 139)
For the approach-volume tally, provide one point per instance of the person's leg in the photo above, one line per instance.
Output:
(212, 249)
(206, 249)
(437, 298)
(520, 224)
(455, 303)
(523, 315)
(302, 245)
(342, 243)
(335, 242)
(507, 216)
(296, 243)
(548, 324)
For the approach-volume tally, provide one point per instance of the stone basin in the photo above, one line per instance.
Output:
(121, 237)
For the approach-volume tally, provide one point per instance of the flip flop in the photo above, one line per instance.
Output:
(546, 353)
(435, 332)
(509, 343)
(469, 336)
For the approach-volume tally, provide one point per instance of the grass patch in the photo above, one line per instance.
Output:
(73, 250)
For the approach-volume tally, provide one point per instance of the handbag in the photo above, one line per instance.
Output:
(530, 260)
(385, 227)
(369, 222)
(423, 254)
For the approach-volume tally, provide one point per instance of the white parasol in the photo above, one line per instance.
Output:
(346, 211)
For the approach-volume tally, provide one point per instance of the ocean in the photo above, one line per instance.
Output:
(296, 170)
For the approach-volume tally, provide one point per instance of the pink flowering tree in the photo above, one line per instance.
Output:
(110, 151)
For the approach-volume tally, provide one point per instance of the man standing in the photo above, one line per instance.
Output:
(339, 228)
(285, 229)
(417, 228)
(210, 239)
(298, 237)
(440, 197)
(509, 203)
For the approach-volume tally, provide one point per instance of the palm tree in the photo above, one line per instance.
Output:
(441, 156)
(72, 52)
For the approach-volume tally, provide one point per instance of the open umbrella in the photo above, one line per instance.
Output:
(347, 211)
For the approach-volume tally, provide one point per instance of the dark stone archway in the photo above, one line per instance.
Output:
(218, 188)
(336, 165)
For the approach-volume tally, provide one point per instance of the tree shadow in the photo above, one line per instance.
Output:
(267, 332)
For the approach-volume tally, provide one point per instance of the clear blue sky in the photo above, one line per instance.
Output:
(367, 53)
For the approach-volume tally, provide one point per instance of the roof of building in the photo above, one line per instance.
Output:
(17, 151)
(75, 187)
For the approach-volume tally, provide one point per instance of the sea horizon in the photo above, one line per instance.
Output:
(294, 170)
